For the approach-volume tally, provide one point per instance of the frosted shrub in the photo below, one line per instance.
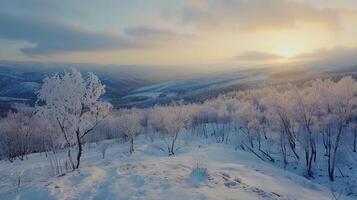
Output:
(197, 176)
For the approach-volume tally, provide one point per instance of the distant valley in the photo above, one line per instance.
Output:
(131, 86)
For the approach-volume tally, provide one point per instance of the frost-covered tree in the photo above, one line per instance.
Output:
(248, 117)
(155, 120)
(129, 123)
(169, 121)
(279, 114)
(337, 107)
(304, 110)
(16, 134)
(175, 120)
(221, 119)
(203, 115)
(73, 103)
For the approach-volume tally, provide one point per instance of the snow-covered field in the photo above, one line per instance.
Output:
(199, 170)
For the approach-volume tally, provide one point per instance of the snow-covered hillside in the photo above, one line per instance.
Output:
(197, 171)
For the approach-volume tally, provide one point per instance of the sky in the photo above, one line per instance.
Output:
(180, 32)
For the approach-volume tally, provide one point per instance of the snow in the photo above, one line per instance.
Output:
(175, 87)
(12, 99)
(199, 170)
(20, 88)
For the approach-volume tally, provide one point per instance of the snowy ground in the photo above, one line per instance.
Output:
(150, 174)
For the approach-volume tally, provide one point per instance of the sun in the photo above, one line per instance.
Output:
(286, 52)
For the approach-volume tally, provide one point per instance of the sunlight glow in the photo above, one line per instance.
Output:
(286, 52)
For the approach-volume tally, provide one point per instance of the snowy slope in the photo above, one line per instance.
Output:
(20, 89)
(150, 174)
(183, 86)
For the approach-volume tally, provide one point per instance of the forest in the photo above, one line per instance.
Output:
(284, 123)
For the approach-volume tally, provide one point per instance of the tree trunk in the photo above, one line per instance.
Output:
(308, 159)
(330, 168)
(291, 137)
(70, 158)
(306, 156)
(309, 166)
(131, 150)
(265, 134)
(314, 151)
(312, 156)
(171, 150)
(332, 158)
(283, 149)
(355, 141)
(79, 153)
(259, 141)
(295, 153)
(324, 139)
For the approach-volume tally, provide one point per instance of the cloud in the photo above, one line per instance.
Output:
(332, 56)
(33, 7)
(340, 52)
(153, 37)
(51, 37)
(149, 32)
(258, 14)
(257, 56)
